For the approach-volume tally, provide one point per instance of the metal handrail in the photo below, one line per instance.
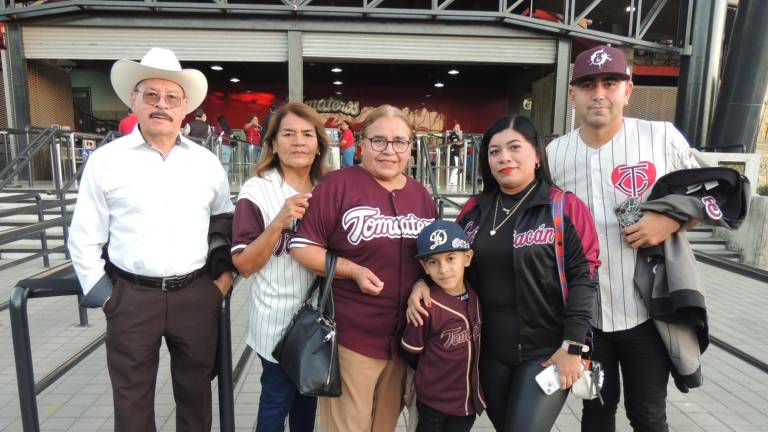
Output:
(48, 285)
(109, 137)
(24, 158)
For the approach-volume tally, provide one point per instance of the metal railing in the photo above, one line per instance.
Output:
(68, 152)
(23, 146)
(52, 284)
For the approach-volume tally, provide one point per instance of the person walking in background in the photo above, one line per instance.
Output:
(269, 206)
(267, 119)
(347, 144)
(253, 136)
(198, 129)
(128, 123)
(156, 226)
(225, 143)
(455, 142)
(608, 160)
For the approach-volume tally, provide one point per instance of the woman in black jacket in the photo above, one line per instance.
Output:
(527, 324)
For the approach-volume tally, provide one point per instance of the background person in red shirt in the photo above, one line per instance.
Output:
(253, 136)
(128, 123)
(347, 144)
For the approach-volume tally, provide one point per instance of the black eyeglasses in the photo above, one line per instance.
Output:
(151, 97)
(380, 144)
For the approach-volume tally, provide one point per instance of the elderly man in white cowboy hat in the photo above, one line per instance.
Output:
(149, 196)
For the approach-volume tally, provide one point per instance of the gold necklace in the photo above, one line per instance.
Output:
(512, 211)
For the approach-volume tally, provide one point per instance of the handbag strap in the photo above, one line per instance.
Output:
(558, 202)
(326, 297)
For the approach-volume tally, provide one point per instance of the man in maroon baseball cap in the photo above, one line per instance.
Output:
(601, 60)
(609, 161)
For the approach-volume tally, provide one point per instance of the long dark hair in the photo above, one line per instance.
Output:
(524, 127)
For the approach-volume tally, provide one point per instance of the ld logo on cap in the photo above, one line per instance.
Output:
(599, 58)
(438, 238)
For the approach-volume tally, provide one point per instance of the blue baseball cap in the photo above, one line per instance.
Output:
(439, 237)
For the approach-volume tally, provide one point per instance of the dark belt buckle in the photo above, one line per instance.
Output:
(171, 283)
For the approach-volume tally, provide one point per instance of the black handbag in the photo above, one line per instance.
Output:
(308, 351)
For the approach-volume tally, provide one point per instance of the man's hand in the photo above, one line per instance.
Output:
(419, 292)
(224, 282)
(652, 229)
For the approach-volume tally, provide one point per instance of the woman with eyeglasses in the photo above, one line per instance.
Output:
(369, 215)
(527, 325)
(268, 208)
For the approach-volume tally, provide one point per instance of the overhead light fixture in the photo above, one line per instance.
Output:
(453, 72)
(336, 69)
(427, 95)
(337, 93)
(217, 67)
(337, 82)
(439, 84)
(630, 9)
(234, 80)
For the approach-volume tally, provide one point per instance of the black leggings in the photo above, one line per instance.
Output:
(515, 401)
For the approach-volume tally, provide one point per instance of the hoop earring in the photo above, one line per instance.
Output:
(538, 165)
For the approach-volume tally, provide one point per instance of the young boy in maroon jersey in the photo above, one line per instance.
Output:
(447, 378)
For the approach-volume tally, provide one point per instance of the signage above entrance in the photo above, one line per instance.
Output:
(333, 105)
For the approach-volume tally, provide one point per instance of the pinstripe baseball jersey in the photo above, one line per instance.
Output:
(278, 288)
(627, 166)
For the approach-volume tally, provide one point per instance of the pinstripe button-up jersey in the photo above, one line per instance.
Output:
(625, 167)
(278, 288)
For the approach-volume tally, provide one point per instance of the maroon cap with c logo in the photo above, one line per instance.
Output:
(600, 60)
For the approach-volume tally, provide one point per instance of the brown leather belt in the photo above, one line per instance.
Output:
(171, 283)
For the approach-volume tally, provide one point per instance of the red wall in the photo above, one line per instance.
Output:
(474, 108)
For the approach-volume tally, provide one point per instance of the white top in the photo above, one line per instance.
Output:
(153, 210)
(627, 166)
(278, 288)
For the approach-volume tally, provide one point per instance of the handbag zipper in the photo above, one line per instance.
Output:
(329, 337)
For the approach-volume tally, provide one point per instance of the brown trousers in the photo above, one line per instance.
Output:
(137, 318)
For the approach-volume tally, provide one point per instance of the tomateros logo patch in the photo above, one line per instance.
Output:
(367, 223)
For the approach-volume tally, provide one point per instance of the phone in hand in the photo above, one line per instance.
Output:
(549, 380)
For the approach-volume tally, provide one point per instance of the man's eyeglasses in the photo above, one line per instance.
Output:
(151, 97)
(380, 144)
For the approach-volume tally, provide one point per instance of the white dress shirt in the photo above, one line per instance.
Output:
(154, 210)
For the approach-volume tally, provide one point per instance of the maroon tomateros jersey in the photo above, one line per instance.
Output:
(448, 344)
(355, 217)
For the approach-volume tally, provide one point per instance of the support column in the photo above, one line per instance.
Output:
(737, 114)
(17, 70)
(18, 76)
(561, 86)
(700, 72)
(295, 67)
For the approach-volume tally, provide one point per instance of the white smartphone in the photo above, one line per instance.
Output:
(549, 380)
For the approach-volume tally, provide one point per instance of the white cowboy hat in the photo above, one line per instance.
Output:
(158, 63)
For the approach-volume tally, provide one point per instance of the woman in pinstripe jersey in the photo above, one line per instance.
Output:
(267, 210)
